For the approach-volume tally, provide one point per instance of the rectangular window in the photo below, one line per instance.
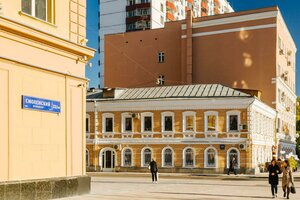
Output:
(162, 7)
(41, 9)
(160, 80)
(161, 57)
(108, 124)
(130, 2)
(148, 124)
(233, 123)
(128, 124)
(87, 124)
(162, 20)
(211, 122)
(189, 123)
(168, 123)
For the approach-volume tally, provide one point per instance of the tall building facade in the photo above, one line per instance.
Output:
(187, 128)
(133, 15)
(249, 49)
(42, 102)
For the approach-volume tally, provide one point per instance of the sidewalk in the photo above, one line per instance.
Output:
(261, 176)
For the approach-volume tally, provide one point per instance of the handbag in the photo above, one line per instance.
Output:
(293, 189)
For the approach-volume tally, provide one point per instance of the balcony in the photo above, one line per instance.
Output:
(136, 6)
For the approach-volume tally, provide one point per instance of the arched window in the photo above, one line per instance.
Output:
(210, 158)
(167, 157)
(188, 157)
(233, 152)
(127, 158)
(146, 156)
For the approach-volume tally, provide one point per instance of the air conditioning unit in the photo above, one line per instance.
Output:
(242, 146)
(243, 126)
(135, 115)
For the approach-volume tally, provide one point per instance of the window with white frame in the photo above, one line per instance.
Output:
(167, 157)
(211, 121)
(233, 120)
(146, 157)
(107, 123)
(210, 158)
(161, 57)
(167, 122)
(127, 158)
(233, 152)
(127, 122)
(42, 9)
(189, 121)
(147, 122)
(189, 157)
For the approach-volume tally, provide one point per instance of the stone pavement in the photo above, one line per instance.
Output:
(136, 188)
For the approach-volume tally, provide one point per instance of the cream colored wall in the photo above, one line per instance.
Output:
(38, 144)
(69, 16)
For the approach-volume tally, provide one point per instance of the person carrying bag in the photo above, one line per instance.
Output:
(287, 180)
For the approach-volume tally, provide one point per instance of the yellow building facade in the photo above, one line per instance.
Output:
(43, 54)
(191, 128)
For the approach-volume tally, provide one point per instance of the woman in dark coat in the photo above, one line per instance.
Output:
(274, 170)
(153, 169)
(232, 166)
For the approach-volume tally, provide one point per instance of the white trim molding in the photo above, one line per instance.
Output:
(209, 113)
(184, 157)
(228, 114)
(123, 156)
(227, 157)
(104, 116)
(163, 156)
(205, 157)
(184, 115)
(236, 19)
(142, 156)
(107, 149)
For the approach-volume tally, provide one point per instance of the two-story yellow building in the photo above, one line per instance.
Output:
(188, 128)
(43, 54)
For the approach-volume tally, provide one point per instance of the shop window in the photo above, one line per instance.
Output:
(188, 157)
(127, 155)
(167, 157)
(210, 158)
(147, 155)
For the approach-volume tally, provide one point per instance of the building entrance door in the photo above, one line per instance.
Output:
(108, 161)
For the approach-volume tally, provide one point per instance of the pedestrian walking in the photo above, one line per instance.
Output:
(232, 166)
(154, 170)
(287, 179)
(274, 170)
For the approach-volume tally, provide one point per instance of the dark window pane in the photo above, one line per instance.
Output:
(233, 122)
(147, 156)
(211, 158)
(189, 157)
(41, 9)
(26, 6)
(148, 124)
(108, 124)
(127, 157)
(168, 157)
(128, 124)
(168, 123)
(87, 124)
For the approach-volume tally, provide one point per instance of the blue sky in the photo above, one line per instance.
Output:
(290, 10)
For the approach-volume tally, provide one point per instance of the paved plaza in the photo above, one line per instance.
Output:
(136, 188)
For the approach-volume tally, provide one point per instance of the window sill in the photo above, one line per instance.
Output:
(37, 19)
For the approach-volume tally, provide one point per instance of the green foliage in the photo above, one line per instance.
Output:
(293, 163)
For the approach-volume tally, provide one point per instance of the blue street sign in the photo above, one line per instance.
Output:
(34, 103)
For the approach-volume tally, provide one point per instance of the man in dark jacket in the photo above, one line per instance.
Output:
(153, 169)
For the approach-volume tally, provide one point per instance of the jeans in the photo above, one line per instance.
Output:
(274, 189)
(154, 176)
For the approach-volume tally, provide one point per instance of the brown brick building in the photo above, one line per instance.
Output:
(250, 49)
